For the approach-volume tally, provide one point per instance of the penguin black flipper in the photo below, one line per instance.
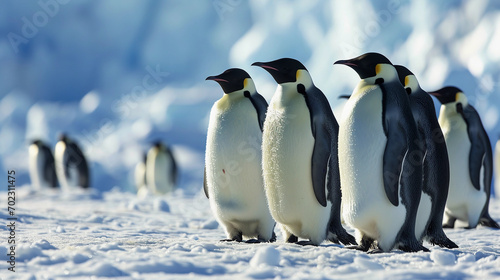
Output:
(322, 142)
(396, 146)
(479, 143)
(260, 105)
(205, 187)
(173, 168)
(49, 170)
(77, 158)
(322, 146)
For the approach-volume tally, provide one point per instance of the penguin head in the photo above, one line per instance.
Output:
(234, 79)
(407, 79)
(37, 142)
(287, 70)
(372, 67)
(451, 96)
(158, 145)
(64, 138)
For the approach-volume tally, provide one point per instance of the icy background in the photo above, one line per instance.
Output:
(117, 75)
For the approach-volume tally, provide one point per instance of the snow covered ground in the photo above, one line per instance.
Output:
(115, 234)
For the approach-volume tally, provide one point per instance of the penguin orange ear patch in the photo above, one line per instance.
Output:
(297, 75)
(407, 81)
(378, 68)
(245, 83)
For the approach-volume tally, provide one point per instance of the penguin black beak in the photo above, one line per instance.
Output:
(346, 62)
(216, 78)
(265, 66)
(345, 96)
(438, 95)
(359, 68)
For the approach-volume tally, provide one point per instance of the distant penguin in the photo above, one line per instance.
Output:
(71, 166)
(140, 173)
(497, 169)
(41, 166)
(436, 168)
(233, 174)
(380, 162)
(161, 169)
(299, 159)
(471, 160)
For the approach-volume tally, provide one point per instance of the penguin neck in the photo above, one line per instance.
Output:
(229, 99)
(387, 72)
(449, 114)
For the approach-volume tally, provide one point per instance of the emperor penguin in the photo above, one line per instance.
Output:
(299, 158)
(471, 160)
(233, 174)
(71, 166)
(436, 168)
(380, 162)
(161, 169)
(41, 165)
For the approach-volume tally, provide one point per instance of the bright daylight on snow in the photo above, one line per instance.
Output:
(258, 139)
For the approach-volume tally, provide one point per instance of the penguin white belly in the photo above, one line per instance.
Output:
(59, 155)
(423, 215)
(140, 175)
(287, 152)
(35, 166)
(464, 201)
(161, 177)
(362, 144)
(233, 166)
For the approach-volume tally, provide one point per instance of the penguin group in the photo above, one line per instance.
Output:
(67, 167)
(387, 166)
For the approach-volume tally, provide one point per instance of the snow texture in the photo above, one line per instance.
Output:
(103, 237)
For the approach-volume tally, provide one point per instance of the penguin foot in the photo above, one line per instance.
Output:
(411, 248)
(255, 241)
(450, 223)
(237, 238)
(305, 243)
(375, 251)
(273, 238)
(357, 247)
(292, 239)
(487, 221)
(341, 236)
(444, 243)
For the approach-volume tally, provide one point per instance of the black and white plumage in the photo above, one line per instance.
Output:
(233, 172)
(381, 184)
(436, 168)
(471, 160)
(299, 159)
(161, 169)
(71, 165)
(41, 165)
